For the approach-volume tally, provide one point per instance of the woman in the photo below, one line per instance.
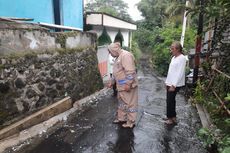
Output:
(125, 76)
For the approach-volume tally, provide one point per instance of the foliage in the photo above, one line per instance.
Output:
(145, 39)
(212, 9)
(168, 34)
(221, 85)
(154, 12)
(213, 138)
(207, 136)
(135, 50)
(228, 97)
(116, 8)
(159, 12)
(217, 136)
(206, 66)
(157, 43)
(162, 26)
(198, 94)
(217, 8)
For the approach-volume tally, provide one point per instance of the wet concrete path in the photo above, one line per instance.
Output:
(93, 132)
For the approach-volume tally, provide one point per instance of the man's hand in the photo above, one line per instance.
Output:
(127, 87)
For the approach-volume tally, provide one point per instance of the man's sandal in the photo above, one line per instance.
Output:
(174, 120)
(169, 122)
(116, 121)
(128, 125)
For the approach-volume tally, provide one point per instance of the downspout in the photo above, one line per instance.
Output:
(184, 25)
(130, 39)
(102, 19)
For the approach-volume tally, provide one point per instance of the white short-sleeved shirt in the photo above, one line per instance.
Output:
(176, 71)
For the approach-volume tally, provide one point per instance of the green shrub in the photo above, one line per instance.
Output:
(168, 34)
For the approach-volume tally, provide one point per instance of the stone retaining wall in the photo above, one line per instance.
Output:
(32, 79)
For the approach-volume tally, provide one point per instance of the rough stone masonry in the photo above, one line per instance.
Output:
(40, 76)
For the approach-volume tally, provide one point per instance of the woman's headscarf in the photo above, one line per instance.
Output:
(115, 48)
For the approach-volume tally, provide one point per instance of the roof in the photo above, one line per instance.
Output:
(104, 19)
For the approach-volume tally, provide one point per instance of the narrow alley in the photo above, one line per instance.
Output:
(92, 131)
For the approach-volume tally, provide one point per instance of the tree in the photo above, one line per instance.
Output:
(168, 34)
(116, 8)
(154, 12)
(161, 26)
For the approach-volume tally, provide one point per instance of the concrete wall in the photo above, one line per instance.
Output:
(34, 79)
(16, 38)
(42, 11)
(73, 13)
(103, 60)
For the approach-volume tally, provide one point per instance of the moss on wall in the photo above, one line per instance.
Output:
(2, 66)
(32, 54)
(61, 37)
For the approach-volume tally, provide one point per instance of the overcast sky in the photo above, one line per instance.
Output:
(133, 11)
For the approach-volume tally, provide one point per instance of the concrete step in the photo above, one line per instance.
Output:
(37, 117)
(204, 116)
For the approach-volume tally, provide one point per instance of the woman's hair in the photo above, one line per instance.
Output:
(178, 46)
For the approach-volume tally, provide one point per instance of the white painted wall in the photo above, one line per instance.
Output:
(112, 32)
(108, 21)
(102, 53)
(103, 56)
(94, 19)
(117, 23)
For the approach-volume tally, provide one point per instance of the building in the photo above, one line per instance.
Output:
(109, 29)
(67, 13)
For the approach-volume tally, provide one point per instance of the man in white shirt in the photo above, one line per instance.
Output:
(175, 79)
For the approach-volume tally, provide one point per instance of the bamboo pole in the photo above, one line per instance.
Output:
(227, 76)
(222, 103)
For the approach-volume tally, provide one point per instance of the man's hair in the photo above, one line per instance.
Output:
(178, 46)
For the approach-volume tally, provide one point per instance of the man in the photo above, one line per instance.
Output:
(175, 79)
(126, 79)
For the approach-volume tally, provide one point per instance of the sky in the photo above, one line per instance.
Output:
(133, 11)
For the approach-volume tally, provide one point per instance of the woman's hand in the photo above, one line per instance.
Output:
(110, 84)
(127, 87)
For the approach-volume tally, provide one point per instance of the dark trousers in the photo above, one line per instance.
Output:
(171, 102)
(115, 89)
